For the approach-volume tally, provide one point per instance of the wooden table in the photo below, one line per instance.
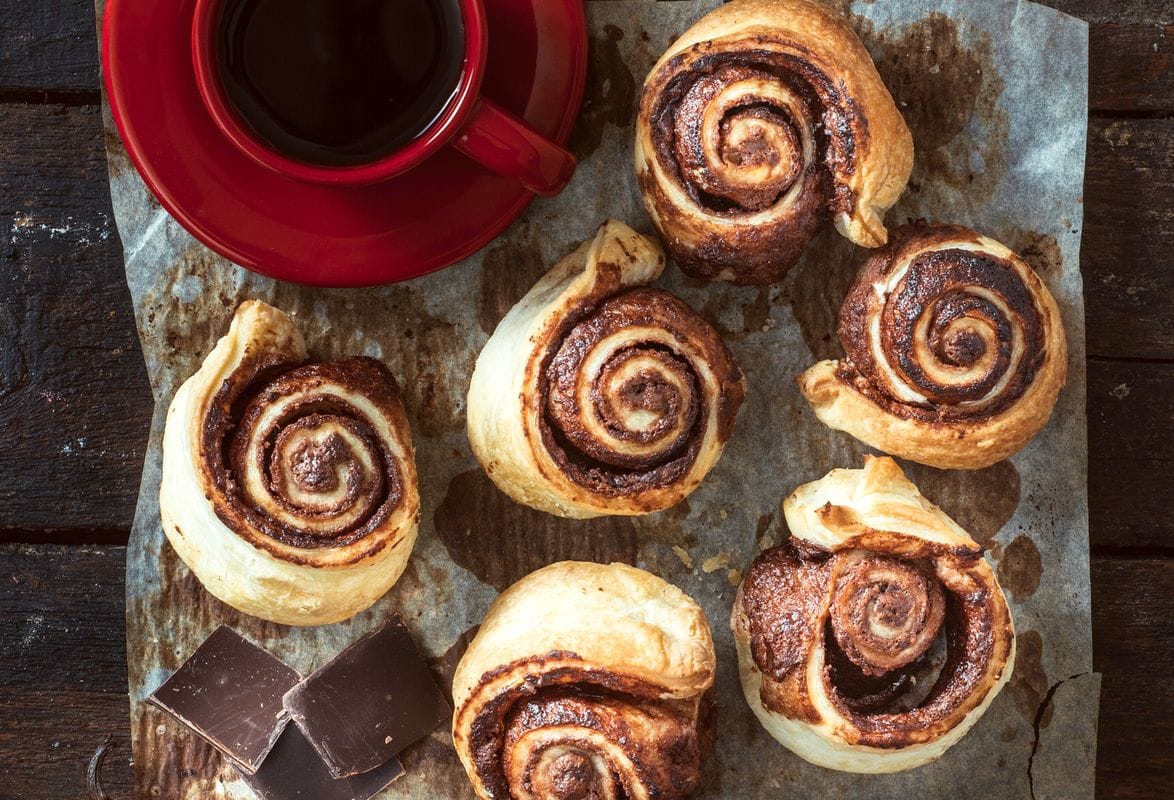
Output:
(75, 406)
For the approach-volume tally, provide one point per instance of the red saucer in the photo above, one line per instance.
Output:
(415, 223)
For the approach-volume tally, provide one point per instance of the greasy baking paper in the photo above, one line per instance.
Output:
(994, 91)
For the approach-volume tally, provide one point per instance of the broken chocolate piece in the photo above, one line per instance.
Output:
(229, 692)
(294, 771)
(369, 703)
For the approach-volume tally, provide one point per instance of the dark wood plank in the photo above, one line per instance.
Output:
(1131, 453)
(63, 671)
(1128, 238)
(1133, 636)
(1140, 12)
(48, 47)
(1130, 68)
(74, 400)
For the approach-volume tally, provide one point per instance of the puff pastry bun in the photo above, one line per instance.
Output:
(599, 395)
(878, 635)
(955, 351)
(763, 121)
(586, 681)
(288, 488)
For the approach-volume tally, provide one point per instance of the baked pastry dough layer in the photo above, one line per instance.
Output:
(589, 677)
(955, 348)
(598, 395)
(877, 637)
(289, 489)
(757, 125)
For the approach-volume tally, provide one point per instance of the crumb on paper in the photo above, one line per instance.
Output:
(714, 563)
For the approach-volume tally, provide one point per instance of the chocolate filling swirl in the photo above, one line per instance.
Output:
(749, 132)
(585, 735)
(299, 454)
(935, 332)
(628, 397)
(904, 642)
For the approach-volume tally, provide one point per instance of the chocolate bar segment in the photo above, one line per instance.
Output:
(369, 703)
(294, 771)
(230, 691)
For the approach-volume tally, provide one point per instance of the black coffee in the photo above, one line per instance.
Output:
(340, 82)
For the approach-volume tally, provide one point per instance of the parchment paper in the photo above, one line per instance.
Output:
(994, 91)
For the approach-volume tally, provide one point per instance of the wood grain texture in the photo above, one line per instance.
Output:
(1128, 238)
(48, 47)
(74, 401)
(1131, 454)
(1131, 68)
(1133, 641)
(62, 670)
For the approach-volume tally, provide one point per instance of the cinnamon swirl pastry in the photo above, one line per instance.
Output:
(878, 635)
(598, 395)
(289, 489)
(586, 681)
(760, 123)
(955, 351)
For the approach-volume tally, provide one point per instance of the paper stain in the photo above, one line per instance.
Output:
(500, 541)
(944, 88)
(174, 765)
(816, 287)
(116, 155)
(609, 98)
(667, 527)
(1020, 568)
(431, 766)
(428, 356)
(955, 491)
(508, 270)
(180, 588)
(1029, 683)
(444, 667)
(1040, 251)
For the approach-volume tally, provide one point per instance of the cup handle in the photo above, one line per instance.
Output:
(502, 143)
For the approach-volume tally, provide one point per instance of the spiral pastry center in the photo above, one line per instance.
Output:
(565, 773)
(954, 330)
(322, 464)
(625, 390)
(741, 138)
(885, 613)
(307, 460)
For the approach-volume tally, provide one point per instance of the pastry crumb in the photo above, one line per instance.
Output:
(714, 563)
(683, 554)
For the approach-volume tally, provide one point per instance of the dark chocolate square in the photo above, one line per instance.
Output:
(369, 703)
(230, 691)
(294, 771)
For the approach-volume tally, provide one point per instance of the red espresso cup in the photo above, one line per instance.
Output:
(470, 123)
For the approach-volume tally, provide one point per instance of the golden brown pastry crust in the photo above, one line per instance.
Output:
(586, 677)
(955, 351)
(289, 489)
(763, 120)
(598, 395)
(837, 628)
